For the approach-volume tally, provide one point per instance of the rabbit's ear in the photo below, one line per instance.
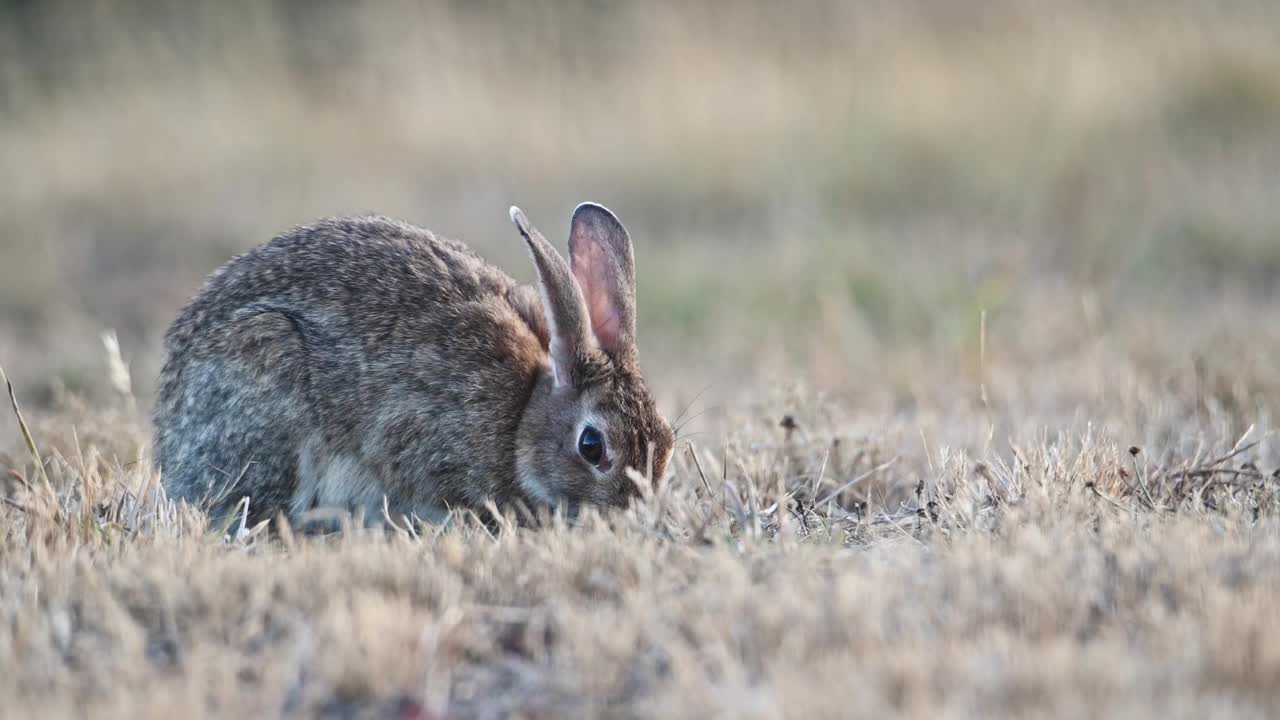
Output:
(562, 301)
(601, 259)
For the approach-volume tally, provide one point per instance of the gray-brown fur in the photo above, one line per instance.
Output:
(358, 357)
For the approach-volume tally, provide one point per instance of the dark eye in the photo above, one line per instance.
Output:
(591, 445)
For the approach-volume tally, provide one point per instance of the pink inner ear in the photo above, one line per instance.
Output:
(591, 268)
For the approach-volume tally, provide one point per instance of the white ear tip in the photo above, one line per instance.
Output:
(595, 208)
(591, 206)
(516, 215)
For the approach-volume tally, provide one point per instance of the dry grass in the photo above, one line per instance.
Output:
(808, 558)
(926, 276)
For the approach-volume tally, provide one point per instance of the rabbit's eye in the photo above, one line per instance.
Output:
(591, 445)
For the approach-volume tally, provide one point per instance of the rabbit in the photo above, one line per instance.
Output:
(367, 365)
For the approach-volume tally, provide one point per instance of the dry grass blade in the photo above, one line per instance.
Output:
(822, 470)
(693, 454)
(17, 505)
(1238, 450)
(857, 479)
(30, 443)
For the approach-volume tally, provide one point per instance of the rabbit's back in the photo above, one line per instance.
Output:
(344, 360)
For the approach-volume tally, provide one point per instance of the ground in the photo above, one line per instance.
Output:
(969, 318)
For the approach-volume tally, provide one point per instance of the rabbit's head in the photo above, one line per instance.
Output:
(591, 416)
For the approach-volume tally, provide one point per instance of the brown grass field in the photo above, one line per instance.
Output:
(970, 312)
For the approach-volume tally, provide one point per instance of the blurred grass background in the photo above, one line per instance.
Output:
(836, 188)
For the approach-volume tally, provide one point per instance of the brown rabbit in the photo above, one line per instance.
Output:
(361, 357)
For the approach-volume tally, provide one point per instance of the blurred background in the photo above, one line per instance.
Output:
(835, 191)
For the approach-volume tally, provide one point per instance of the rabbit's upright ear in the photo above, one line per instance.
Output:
(562, 302)
(602, 262)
